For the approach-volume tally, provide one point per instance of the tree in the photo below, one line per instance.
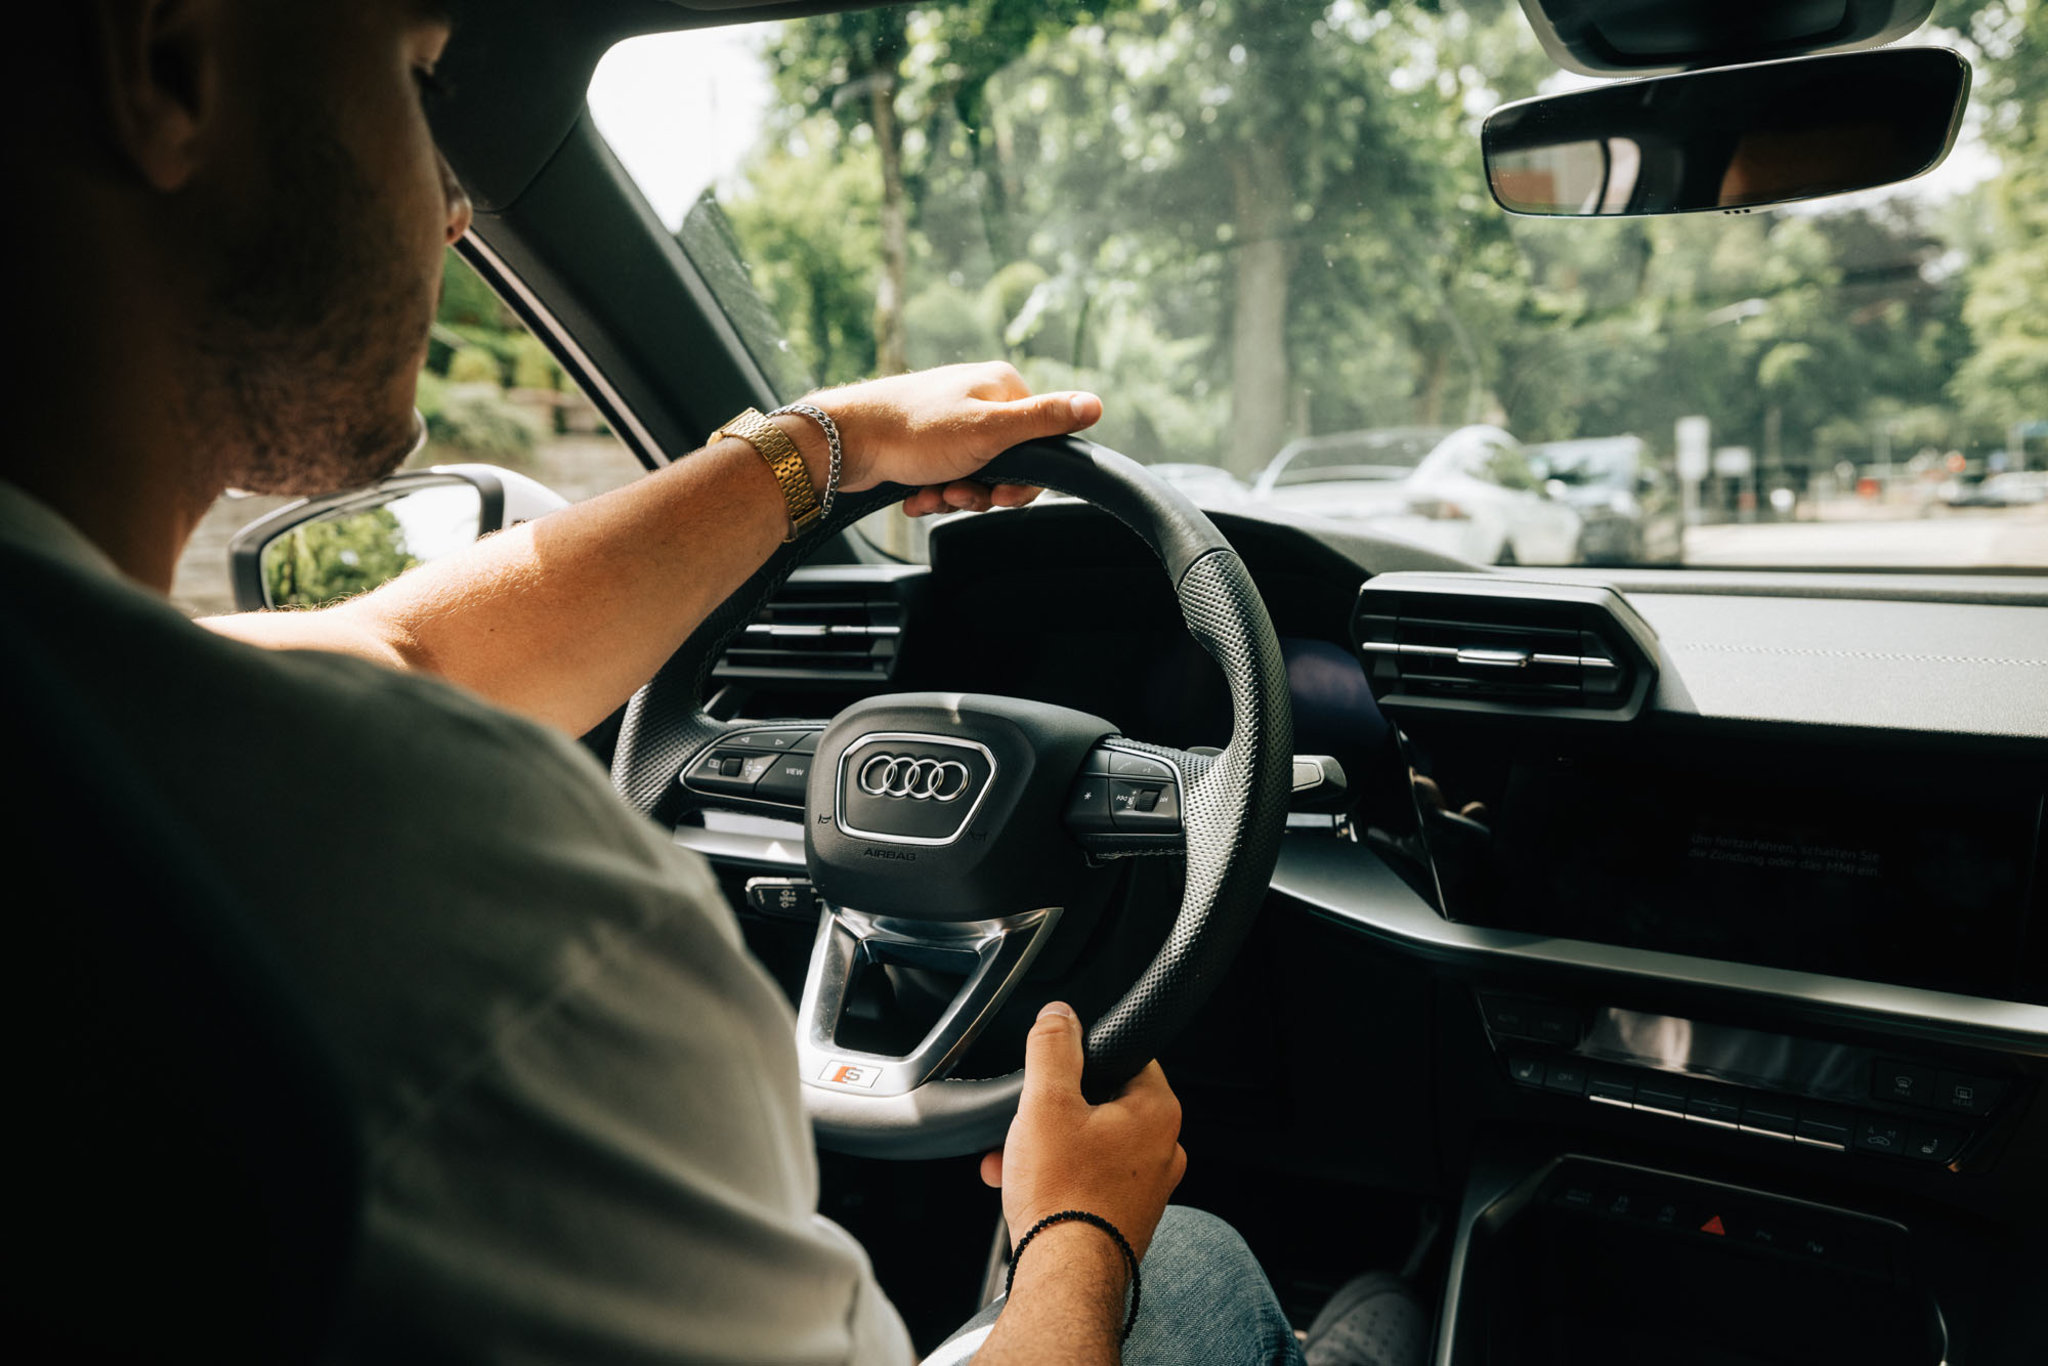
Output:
(1139, 198)
(334, 558)
(2005, 382)
(857, 67)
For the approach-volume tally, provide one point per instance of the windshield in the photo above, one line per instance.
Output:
(1260, 230)
(1611, 463)
(1352, 455)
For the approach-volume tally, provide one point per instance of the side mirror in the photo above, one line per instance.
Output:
(321, 550)
(1730, 138)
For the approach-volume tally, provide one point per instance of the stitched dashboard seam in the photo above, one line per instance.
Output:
(1877, 656)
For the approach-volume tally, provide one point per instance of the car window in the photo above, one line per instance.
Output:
(1253, 223)
(490, 393)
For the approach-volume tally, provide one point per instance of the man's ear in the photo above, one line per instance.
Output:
(159, 82)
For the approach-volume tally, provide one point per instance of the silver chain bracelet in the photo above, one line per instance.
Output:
(831, 430)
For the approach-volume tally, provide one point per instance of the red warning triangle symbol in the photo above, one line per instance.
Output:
(1714, 1226)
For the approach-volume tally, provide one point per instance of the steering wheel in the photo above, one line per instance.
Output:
(953, 829)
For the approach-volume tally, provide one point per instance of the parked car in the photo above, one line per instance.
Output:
(2016, 488)
(1210, 486)
(1467, 491)
(1628, 502)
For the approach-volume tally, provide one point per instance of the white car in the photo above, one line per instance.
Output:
(1469, 491)
(1207, 486)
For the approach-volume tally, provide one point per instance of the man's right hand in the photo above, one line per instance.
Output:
(1120, 1160)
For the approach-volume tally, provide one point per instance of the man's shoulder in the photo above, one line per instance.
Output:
(312, 770)
(182, 685)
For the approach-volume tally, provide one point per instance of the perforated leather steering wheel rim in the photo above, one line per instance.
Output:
(1233, 806)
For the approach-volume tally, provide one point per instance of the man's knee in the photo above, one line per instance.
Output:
(1202, 1284)
(1195, 1243)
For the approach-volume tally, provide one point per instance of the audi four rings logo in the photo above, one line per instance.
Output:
(919, 780)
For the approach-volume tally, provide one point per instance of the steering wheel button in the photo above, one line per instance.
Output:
(786, 778)
(1088, 807)
(1144, 808)
(730, 766)
(1138, 766)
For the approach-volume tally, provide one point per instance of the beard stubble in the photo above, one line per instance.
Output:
(316, 321)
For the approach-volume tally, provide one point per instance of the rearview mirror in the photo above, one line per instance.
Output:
(1730, 138)
(321, 550)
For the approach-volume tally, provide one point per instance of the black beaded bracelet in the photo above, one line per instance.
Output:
(1082, 1216)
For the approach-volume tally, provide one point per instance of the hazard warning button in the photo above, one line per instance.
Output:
(1714, 1226)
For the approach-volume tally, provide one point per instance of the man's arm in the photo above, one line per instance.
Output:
(1120, 1160)
(561, 619)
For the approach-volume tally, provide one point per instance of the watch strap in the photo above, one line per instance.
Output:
(785, 462)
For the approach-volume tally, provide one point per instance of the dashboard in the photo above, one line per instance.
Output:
(1732, 878)
(1849, 787)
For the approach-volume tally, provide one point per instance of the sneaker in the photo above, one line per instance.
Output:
(1372, 1320)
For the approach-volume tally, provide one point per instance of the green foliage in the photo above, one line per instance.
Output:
(2005, 382)
(809, 227)
(474, 365)
(466, 301)
(1141, 198)
(533, 366)
(335, 558)
(478, 424)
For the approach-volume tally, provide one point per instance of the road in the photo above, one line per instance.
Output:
(1944, 538)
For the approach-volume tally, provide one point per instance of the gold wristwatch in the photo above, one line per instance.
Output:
(785, 461)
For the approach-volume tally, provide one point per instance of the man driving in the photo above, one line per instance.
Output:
(577, 1092)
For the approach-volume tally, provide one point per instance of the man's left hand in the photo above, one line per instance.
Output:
(932, 429)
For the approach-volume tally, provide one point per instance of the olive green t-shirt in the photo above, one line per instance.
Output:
(578, 1092)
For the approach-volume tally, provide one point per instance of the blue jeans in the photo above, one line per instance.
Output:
(1206, 1303)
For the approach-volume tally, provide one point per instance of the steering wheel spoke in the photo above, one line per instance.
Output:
(994, 954)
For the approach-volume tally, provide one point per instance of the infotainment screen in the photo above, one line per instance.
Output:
(1918, 877)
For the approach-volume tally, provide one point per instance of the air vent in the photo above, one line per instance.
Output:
(830, 624)
(1450, 642)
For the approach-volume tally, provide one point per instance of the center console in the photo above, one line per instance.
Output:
(1598, 1263)
(1945, 1111)
(1742, 1011)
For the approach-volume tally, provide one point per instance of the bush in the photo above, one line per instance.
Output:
(334, 558)
(478, 424)
(474, 365)
(532, 365)
(430, 395)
